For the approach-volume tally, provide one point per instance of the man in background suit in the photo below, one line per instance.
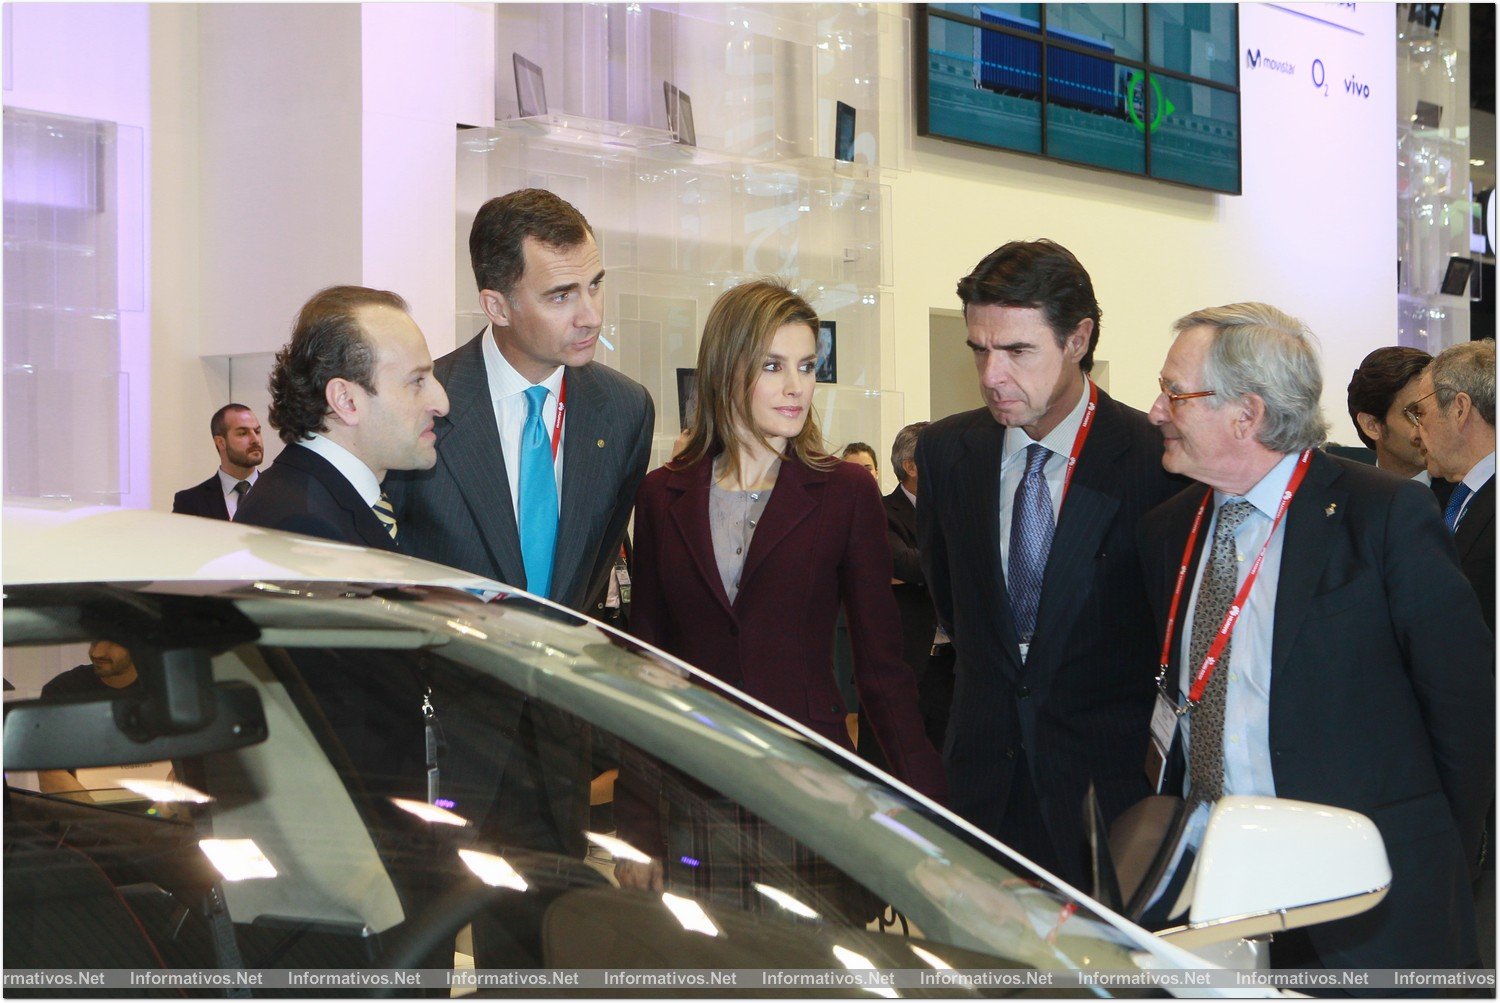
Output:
(1379, 391)
(236, 435)
(530, 492)
(1357, 671)
(1456, 426)
(353, 396)
(919, 636)
(1041, 594)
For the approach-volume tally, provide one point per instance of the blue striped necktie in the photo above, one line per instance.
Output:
(1031, 528)
(538, 489)
(1456, 506)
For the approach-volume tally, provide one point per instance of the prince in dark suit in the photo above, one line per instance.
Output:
(236, 435)
(1357, 671)
(529, 377)
(1035, 573)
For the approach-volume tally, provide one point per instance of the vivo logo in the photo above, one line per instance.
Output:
(1355, 88)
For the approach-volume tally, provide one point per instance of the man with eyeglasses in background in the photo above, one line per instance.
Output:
(1454, 415)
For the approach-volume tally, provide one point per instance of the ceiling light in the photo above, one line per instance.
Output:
(429, 812)
(237, 859)
(492, 870)
(690, 914)
(617, 848)
(164, 790)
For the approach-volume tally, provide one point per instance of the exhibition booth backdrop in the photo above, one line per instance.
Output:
(283, 147)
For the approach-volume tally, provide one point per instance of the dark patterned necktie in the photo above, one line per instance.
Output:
(241, 488)
(1031, 528)
(1220, 582)
(1455, 506)
(386, 514)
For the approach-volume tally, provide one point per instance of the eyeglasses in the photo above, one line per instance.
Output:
(1173, 397)
(1414, 413)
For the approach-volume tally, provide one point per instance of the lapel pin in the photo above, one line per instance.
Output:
(1332, 508)
(600, 443)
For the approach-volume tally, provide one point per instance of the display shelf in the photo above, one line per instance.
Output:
(1433, 210)
(759, 195)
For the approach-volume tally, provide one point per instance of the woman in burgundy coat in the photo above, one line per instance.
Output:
(750, 539)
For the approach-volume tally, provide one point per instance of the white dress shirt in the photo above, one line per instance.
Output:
(231, 496)
(1247, 709)
(1478, 475)
(1013, 466)
(508, 395)
(360, 476)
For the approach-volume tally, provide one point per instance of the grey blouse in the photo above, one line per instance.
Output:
(732, 518)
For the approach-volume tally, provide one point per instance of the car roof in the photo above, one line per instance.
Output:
(47, 542)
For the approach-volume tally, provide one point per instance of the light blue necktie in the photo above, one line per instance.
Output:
(1031, 528)
(538, 512)
(1455, 506)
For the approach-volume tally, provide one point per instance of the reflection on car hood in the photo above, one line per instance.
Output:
(51, 542)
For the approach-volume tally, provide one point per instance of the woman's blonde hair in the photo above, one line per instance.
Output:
(736, 337)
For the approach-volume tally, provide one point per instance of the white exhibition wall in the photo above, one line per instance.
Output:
(284, 140)
(1314, 232)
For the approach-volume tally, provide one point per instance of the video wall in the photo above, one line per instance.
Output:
(1142, 89)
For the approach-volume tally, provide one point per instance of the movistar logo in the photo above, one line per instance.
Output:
(1254, 61)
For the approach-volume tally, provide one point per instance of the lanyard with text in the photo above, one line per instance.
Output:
(1080, 438)
(1221, 640)
(557, 423)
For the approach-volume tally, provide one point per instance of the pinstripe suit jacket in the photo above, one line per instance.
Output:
(1080, 706)
(460, 513)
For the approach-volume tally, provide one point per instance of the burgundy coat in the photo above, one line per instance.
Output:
(821, 542)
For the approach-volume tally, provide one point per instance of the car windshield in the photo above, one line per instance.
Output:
(434, 782)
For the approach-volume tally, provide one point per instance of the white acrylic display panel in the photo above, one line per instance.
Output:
(759, 195)
(74, 262)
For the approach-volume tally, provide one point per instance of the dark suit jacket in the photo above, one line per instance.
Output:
(820, 543)
(460, 513)
(1475, 541)
(372, 700)
(918, 618)
(206, 499)
(304, 493)
(1081, 705)
(1382, 698)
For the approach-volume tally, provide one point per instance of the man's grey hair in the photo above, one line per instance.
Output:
(905, 447)
(1468, 368)
(1257, 349)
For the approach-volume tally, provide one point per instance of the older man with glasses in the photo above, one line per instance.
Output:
(1354, 670)
(1454, 416)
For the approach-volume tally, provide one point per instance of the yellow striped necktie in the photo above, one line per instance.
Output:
(386, 514)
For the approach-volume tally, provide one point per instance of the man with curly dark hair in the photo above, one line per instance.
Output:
(353, 396)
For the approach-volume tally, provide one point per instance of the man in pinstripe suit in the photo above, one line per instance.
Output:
(1033, 568)
(541, 286)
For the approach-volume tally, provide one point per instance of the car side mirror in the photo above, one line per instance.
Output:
(1269, 864)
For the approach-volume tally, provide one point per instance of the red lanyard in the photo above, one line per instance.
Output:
(1080, 439)
(562, 406)
(1221, 640)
